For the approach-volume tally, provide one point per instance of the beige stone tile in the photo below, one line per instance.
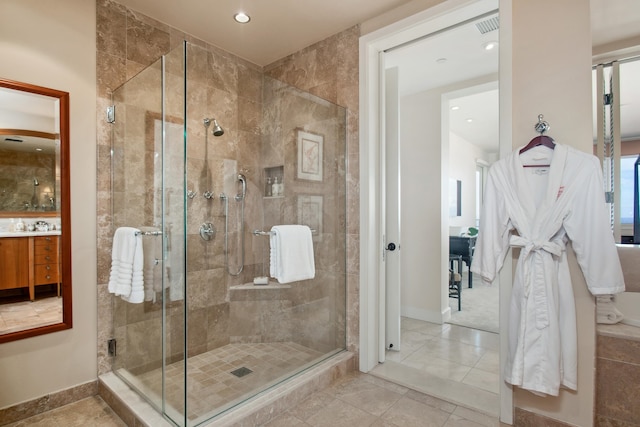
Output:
(431, 401)
(486, 340)
(341, 414)
(490, 362)
(286, 420)
(92, 411)
(456, 421)
(481, 419)
(367, 396)
(408, 413)
(312, 405)
(443, 368)
(455, 351)
(488, 381)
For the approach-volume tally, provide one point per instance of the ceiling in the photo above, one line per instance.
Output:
(277, 28)
(281, 27)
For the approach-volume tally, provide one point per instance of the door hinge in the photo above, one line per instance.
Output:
(111, 346)
(608, 196)
(111, 114)
(608, 99)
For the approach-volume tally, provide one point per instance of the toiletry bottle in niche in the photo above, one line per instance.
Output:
(12, 226)
(20, 225)
(275, 187)
(268, 187)
(281, 187)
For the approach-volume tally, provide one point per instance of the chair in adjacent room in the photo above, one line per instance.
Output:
(455, 278)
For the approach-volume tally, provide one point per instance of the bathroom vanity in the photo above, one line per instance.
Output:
(29, 259)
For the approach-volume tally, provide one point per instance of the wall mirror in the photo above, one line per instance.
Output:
(35, 222)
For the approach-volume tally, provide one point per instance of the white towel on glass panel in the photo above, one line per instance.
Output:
(291, 253)
(127, 260)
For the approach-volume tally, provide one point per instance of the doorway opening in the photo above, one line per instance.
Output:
(436, 142)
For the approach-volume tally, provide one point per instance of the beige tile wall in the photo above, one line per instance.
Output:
(230, 89)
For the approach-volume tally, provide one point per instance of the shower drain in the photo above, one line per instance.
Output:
(241, 372)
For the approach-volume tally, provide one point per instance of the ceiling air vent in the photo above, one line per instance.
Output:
(488, 25)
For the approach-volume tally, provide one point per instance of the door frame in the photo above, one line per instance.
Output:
(371, 150)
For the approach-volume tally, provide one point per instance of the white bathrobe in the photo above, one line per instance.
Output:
(537, 210)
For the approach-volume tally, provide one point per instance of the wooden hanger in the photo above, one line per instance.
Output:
(541, 139)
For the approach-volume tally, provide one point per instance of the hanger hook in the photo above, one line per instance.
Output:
(542, 126)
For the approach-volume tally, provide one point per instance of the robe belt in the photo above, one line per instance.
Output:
(533, 284)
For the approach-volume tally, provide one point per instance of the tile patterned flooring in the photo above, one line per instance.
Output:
(445, 376)
(211, 384)
(92, 411)
(356, 400)
(454, 363)
(27, 314)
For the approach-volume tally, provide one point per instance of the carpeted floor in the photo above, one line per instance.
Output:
(479, 306)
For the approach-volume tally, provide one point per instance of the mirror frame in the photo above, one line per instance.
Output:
(65, 211)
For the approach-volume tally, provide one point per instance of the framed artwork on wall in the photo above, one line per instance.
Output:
(310, 213)
(309, 156)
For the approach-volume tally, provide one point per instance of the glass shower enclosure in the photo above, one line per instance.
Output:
(202, 338)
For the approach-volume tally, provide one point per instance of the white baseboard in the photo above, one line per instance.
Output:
(425, 315)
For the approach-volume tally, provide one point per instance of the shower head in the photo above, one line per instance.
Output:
(35, 182)
(217, 129)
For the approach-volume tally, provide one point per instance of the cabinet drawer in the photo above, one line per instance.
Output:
(46, 258)
(45, 249)
(45, 240)
(46, 273)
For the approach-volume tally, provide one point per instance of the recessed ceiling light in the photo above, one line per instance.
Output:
(490, 45)
(455, 107)
(242, 17)
(38, 149)
(469, 120)
(441, 60)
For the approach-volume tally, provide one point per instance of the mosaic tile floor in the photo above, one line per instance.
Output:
(27, 314)
(212, 385)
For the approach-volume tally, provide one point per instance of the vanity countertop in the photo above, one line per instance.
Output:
(29, 233)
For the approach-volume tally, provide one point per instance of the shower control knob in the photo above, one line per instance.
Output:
(207, 231)
(391, 247)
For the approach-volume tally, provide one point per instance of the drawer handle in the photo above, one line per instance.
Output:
(48, 277)
(47, 238)
(48, 267)
(47, 257)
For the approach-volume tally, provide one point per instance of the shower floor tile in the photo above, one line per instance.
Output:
(211, 385)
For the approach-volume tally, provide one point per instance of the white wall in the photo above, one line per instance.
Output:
(463, 157)
(52, 44)
(425, 168)
(562, 92)
(421, 168)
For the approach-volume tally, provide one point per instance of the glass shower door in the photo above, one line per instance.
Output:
(148, 194)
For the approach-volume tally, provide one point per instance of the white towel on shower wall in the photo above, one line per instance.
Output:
(291, 253)
(127, 260)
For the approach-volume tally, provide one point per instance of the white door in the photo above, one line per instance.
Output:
(392, 211)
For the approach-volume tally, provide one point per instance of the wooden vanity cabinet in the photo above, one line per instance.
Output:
(14, 262)
(29, 261)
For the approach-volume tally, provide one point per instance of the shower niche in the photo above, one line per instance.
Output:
(274, 182)
(180, 348)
